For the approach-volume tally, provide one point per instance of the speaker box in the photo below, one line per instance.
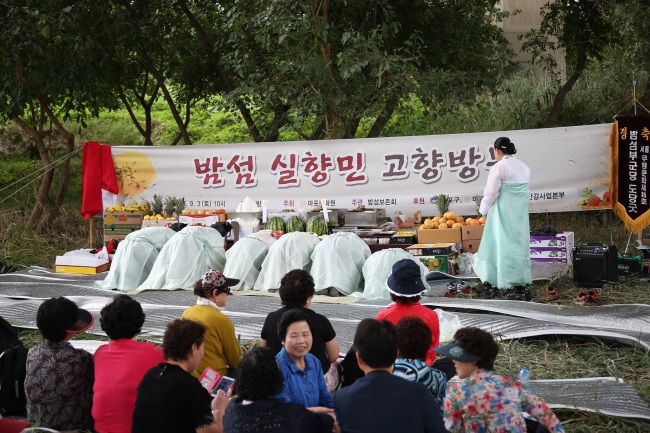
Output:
(594, 265)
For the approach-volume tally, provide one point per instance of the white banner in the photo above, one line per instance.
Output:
(401, 173)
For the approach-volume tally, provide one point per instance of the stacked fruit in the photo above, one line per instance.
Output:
(191, 212)
(130, 205)
(448, 220)
(317, 224)
(296, 224)
(276, 224)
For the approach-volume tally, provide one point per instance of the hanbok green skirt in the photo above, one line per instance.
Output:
(503, 257)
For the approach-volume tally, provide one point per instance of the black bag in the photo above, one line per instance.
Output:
(350, 370)
(13, 359)
(13, 363)
(8, 335)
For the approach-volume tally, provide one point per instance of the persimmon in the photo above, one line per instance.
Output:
(450, 215)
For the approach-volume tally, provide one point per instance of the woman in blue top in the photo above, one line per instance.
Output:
(503, 258)
(302, 373)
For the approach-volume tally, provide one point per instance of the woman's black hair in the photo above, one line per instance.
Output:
(296, 287)
(413, 338)
(258, 376)
(180, 336)
(55, 316)
(122, 318)
(480, 343)
(290, 317)
(505, 145)
(404, 299)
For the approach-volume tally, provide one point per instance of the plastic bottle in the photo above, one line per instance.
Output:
(524, 375)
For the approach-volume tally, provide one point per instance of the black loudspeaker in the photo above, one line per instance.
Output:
(594, 265)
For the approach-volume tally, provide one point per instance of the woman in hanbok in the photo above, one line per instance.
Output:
(185, 257)
(244, 259)
(292, 251)
(135, 257)
(503, 258)
(337, 263)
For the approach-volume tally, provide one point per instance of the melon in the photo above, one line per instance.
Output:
(276, 224)
(317, 224)
(296, 224)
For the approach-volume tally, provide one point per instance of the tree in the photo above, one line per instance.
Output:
(326, 66)
(53, 64)
(579, 28)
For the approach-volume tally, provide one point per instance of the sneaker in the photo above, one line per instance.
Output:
(581, 298)
(451, 290)
(593, 298)
(518, 293)
(487, 291)
(465, 287)
(550, 294)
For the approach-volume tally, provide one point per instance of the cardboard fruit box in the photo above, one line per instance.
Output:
(201, 220)
(472, 232)
(443, 263)
(158, 223)
(119, 224)
(471, 245)
(432, 249)
(80, 265)
(556, 248)
(436, 236)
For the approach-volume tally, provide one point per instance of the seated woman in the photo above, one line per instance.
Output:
(169, 398)
(483, 401)
(291, 251)
(345, 252)
(296, 291)
(244, 259)
(185, 257)
(405, 286)
(59, 378)
(221, 346)
(135, 257)
(413, 341)
(120, 365)
(301, 371)
(257, 381)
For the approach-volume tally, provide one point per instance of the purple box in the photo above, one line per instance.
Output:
(565, 239)
(549, 260)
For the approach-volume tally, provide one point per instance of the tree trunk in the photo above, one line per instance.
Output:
(205, 39)
(185, 122)
(53, 211)
(279, 119)
(319, 132)
(327, 58)
(558, 101)
(42, 197)
(385, 114)
(351, 127)
(168, 97)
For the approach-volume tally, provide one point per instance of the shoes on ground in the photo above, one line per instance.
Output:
(518, 293)
(550, 294)
(488, 291)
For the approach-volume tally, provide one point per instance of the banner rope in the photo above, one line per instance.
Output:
(37, 173)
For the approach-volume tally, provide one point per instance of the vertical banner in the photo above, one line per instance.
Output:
(630, 142)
